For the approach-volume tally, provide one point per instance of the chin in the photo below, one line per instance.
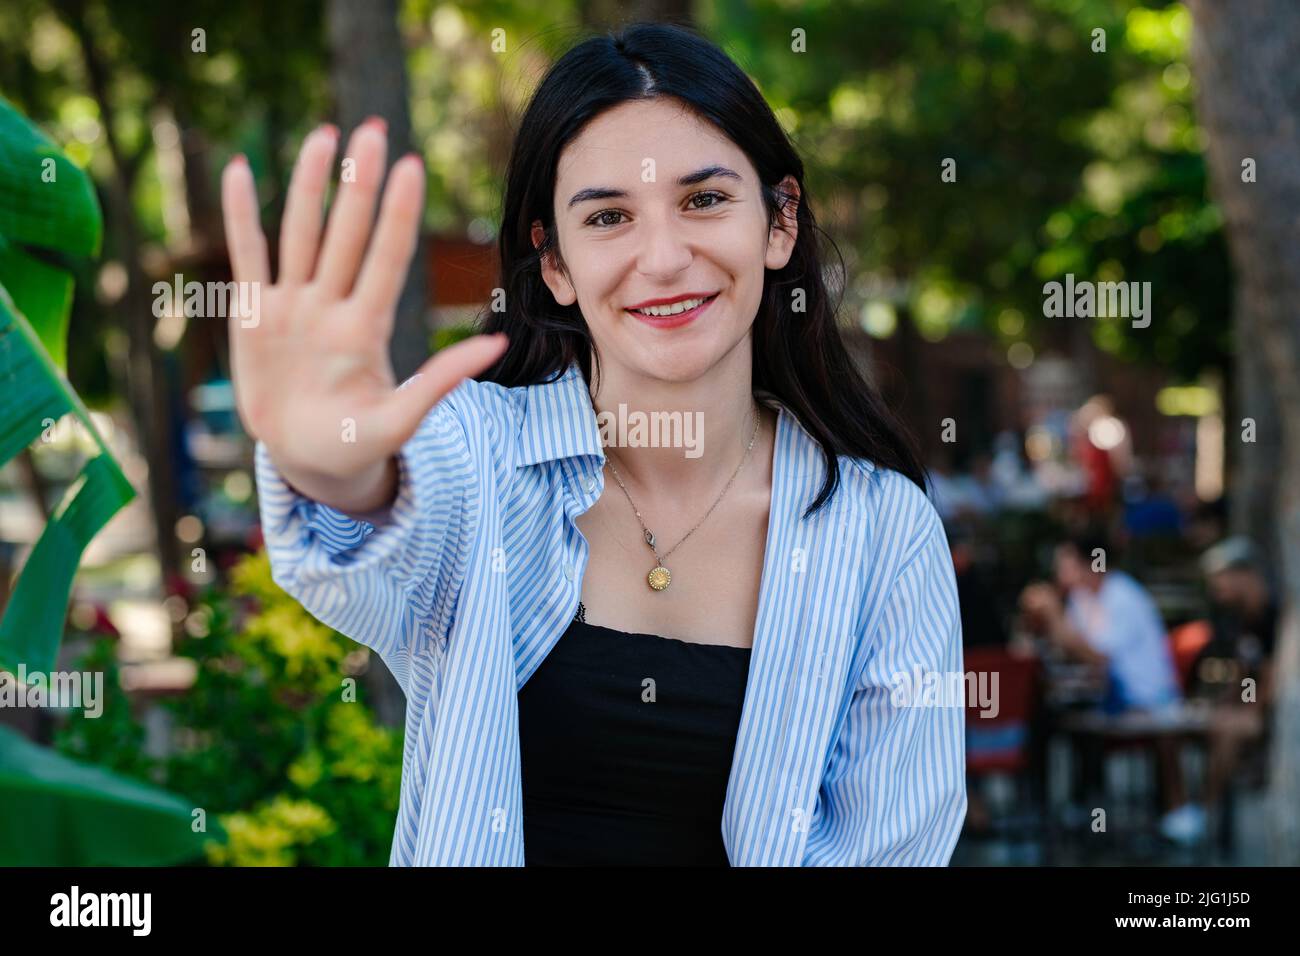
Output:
(676, 371)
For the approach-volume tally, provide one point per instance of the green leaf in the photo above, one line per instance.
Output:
(47, 203)
(46, 200)
(43, 294)
(37, 392)
(55, 811)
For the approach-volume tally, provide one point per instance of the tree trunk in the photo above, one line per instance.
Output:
(1247, 62)
(368, 77)
(147, 384)
(1253, 491)
(201, 200)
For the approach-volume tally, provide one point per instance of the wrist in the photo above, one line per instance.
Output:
(366, 496)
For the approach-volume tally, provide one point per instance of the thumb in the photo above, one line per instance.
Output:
(440, 374)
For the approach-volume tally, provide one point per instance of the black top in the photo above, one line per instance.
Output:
(1248, 641)
(626, 743)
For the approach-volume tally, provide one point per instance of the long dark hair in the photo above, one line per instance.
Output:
(799, 356)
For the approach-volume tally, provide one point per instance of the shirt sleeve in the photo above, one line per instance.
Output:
(1111, 620)
(894, 793)
(383, 585)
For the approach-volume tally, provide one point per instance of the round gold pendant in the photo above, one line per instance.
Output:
(659, 578)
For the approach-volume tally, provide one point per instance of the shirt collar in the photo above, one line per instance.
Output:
(559, 421)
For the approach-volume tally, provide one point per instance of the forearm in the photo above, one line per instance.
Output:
(395, 575)
(1074, 643)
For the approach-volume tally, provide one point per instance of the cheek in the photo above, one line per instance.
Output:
(594, 274)
(741, 254)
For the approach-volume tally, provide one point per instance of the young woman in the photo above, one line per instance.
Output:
(615, 649)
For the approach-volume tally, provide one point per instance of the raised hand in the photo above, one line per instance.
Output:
(311, 371)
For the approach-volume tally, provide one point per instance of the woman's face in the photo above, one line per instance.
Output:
(630, 230)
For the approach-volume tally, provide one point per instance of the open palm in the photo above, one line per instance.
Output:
(311, 371)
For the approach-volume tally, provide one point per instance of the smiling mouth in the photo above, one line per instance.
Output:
(675, 308)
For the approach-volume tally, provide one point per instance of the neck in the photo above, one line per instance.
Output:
(683, 439)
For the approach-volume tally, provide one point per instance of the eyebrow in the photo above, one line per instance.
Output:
(690, 179)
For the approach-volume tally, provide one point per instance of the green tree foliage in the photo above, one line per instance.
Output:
(1067, 158)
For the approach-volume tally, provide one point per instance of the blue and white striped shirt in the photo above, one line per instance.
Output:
(478, 573)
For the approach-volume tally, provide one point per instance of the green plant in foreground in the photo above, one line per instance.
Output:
(272, 737)
(54, 810)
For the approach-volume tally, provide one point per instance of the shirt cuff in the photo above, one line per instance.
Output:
(295, 523)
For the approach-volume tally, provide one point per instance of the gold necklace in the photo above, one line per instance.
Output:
(660, 577)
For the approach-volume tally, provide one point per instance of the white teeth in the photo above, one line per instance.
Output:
(677, 308)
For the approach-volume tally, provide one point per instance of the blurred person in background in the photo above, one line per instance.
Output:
(983, 490)
(1233, 672)
(1101, 446)
(981, 624)
(950, 488)
(1246, 611)
(944, 487)
(965, 490)
(1109, 621)
(1149, 508)
(1207, 523)
(1018, 485)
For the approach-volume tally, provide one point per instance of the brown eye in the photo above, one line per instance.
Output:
(718, 197)
(598, 221)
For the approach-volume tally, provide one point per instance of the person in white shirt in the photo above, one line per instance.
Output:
(1109, 620)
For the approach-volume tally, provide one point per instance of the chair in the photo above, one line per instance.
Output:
(1185, 644)
(1000, 746)
(1000, 743)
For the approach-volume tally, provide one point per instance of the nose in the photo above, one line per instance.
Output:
(664, 251)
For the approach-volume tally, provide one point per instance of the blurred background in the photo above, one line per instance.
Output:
(962, 154)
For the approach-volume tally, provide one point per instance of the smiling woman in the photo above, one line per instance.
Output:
(693, 664)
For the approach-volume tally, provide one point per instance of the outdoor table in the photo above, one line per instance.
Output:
(1187, 723)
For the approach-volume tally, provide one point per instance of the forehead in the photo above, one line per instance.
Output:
(612, 148)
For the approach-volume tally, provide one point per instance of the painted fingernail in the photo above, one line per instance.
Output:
(378, 122)
(239, 159)
(331, 129)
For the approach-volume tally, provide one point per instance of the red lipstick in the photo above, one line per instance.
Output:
(672, 321)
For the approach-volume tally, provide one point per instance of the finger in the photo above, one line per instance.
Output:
(350, 220)
(389, 257)
(300, 228)
(439, 375)
(244, 239)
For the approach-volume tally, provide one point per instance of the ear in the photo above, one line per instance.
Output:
(554, 277)
(784, 231)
